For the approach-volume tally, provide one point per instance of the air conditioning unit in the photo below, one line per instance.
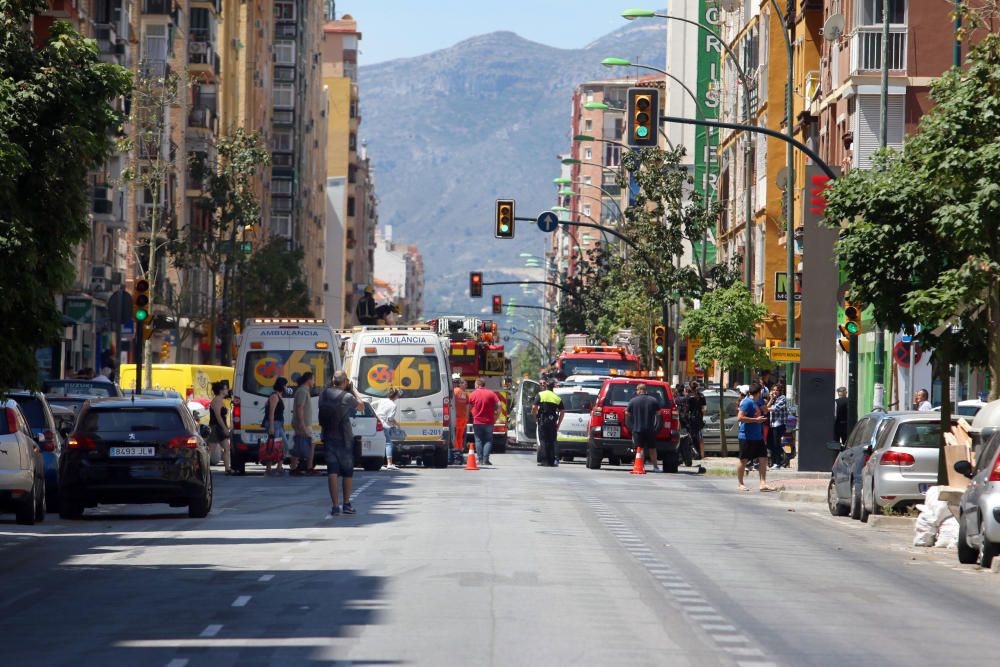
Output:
(198, 47)
(117, 278)
(98, 285)
(102, 272)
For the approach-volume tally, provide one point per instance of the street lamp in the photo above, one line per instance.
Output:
(622, 62)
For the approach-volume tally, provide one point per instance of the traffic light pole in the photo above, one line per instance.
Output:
(517, 305)
(140, 344)
(531, 282)
(852, 382)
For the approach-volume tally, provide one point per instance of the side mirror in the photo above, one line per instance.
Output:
(204, 431)
(835, 446)
(964, 468)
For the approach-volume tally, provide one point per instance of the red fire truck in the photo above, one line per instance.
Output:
(476, 352)
(596, 360)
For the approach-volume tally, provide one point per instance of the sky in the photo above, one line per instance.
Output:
(406, 28)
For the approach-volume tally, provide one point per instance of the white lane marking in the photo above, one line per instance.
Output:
(241, 601)
(285, 559)
(743, 650)
(730, 639)
(178, 662)
(211, 631)
(717, 627)
(266, 577)
(745, 663)
(233, 642)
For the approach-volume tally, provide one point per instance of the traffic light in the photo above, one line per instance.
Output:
(505, 219)
(140, 300)
(164, 350)
(659, 339)
(497, 304)
(851, 326)
(817, 194)
(475, 284)
(643, 116)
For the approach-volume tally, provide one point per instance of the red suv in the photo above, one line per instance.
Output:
(610, 438)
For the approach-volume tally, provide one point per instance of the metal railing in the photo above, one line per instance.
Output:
(866, 49)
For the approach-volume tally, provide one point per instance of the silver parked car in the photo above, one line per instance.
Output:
(710, 434)
(979, 520)
(22, 470)
(904, 463)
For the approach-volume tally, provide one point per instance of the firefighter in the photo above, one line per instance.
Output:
(461, 410)
(365, 310)
(548, 411)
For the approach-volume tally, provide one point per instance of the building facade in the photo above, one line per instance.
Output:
(399, 275)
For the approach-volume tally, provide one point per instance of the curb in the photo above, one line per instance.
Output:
(802, 497)
(879, 521)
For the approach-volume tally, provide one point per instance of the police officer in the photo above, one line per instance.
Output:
(548, 412)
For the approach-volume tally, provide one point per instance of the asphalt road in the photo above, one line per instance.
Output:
(514, 565)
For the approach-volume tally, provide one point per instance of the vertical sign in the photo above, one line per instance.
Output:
(706, 143)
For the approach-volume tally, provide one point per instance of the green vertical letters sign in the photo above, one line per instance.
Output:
(706, 159)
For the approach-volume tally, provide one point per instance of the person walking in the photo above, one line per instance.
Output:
(485, 405)
(920, 401)
(218, 422)
(696, 416)
(276, 423)
(840, 416)
(777, 412)
(644, 419)
(388, 413)
(336, 405)
(303, 452)
(751, 420)
(548, 411)
(461, 410)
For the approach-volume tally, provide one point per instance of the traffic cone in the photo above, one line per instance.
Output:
(470, 461)
(639, 467)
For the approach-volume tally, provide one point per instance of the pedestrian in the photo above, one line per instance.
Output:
(336, 406)
(752, 448)
(218, 423)
(388, 413)
(920, 401)
(105, 375)
(275, 411)
(548, 411)
(485, 405)
(696, 418)
(644, 419)
(777, 412)
(303, 451)
(840, 416)
(461, 410)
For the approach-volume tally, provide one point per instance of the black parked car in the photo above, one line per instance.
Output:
(844, 491)
(136, 451)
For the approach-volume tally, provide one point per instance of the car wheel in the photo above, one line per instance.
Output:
(876, 508)
(568, 458)
(855, 502)
(594, 458)
(25, 512)
(371, 465)
(202, 505)
(238, 463)
(863, 513)
(966, 555)
(70, 509)
(833, 501)
(441, 458)
(614, 461)
(989, 549)
(40, 504)
(500, 447)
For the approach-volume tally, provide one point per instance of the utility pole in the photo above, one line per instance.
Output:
(883, 141)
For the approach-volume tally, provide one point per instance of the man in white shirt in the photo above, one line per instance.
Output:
(921, 402)
(388, 413)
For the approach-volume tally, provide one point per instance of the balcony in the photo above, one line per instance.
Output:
(161, 7)
(202, 56)
(154, 69)
(203, 119)
(866, 49)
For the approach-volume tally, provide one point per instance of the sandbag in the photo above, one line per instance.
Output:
(947, 537)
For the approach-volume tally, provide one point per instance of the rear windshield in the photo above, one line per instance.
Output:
(80, 388)
(968, 410)
(730, 405)
(131, 420)
(32, 409)
(621, 394)
(577, 401)
(416, 375)
(918, 434)
(262, 367)
(596, 366)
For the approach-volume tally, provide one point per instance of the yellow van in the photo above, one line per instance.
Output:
(191, 381)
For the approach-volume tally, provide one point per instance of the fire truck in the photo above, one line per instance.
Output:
(476, 352)
(583, 359)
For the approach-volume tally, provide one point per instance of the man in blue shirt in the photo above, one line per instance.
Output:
(751, 418)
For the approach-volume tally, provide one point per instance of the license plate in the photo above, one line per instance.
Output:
(923, 487)
(368, 447)
(131, 451)
(612, 431)
(611, 417)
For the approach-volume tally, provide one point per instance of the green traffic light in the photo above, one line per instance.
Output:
(141, 315)
(504, 228)
(659, 349)
(642, 132)
(852, 328)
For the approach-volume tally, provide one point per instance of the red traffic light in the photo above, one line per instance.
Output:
(475, 284)
(817, 194)
(497, 304)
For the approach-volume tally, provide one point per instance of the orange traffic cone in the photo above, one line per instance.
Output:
(639, 467)
(470, 460)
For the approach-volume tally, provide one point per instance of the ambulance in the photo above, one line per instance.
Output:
(413, 359)
(270, 348)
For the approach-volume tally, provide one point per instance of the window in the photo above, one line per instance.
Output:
(590, 96)
(281, 225)
(131, 420)
(281, 204)
(586, 210)
(350, 206)
(155, 47)
(586, 180)
(352, 142)
(284, 74)
(416, 375)
(290, 364)
(284, 53)
(284, 96)
(281, 141)
(620, 394)
(870, 12)
(867, 122)
(284, 10)
(281, 187)
(612, 155)
(588, 154)
(588, 124)
(349, 272)
(917, 434)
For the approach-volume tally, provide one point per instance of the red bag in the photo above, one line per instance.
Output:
(272, 451)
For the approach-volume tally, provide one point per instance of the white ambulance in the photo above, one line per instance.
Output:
(413, 359)
(270, 348)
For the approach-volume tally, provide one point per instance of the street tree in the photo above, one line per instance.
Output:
(527, 360)
(57, 121)
(725, 324)
(270, 283)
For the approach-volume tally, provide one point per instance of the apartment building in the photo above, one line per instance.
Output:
(399, 275)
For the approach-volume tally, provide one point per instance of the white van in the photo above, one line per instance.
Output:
(270, 348)
(413, 359)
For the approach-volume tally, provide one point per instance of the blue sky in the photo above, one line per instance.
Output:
(405, 28)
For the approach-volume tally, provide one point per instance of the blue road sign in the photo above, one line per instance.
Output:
(548, 221)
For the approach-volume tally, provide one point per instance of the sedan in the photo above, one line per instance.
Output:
(47, 434)
(22, 475)
(132, 451)
(979, 508)
(903, 465)
(710, 433)
(572, 436)
(844, 491)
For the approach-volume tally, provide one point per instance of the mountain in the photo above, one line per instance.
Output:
(451, 131)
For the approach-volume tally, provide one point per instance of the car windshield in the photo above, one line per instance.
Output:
(131, 420)
(416, 375)
(620, 394)
(917, 434)
(262, 367)
(968, 410)
(80, 388)
(32, 409)
(596, 366)
(577, 401)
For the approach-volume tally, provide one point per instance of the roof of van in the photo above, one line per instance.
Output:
(989, 415)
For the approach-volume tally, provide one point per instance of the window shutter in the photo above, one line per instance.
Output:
(866, 133)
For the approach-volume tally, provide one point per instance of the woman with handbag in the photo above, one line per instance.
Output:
(277, 439)
(218, 421)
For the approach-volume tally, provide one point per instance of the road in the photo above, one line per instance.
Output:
(514, 565)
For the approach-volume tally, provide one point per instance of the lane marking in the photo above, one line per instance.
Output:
(241, 601)
(234, 642)
(211, 631)
(178, 662)
(285, 559)
(266, 577)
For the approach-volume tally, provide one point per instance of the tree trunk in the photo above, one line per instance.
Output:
(943, 369)
(993, 307)
(723, 450)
